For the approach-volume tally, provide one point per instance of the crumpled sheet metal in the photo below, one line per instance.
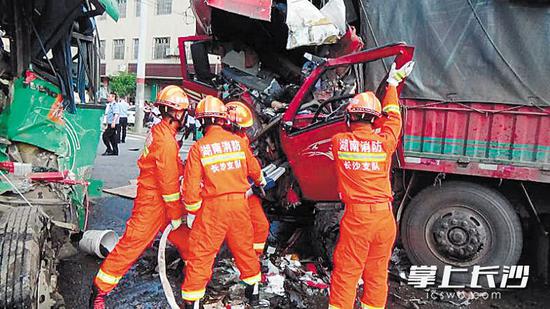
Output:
(257, 9)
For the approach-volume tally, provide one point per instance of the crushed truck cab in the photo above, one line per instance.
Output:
(472, 167)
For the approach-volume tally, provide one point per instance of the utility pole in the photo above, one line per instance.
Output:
(140, 80)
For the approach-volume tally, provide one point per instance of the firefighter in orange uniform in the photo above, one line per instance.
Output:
(158, 201)
(215, 182)
(241, 118)
(367, 229)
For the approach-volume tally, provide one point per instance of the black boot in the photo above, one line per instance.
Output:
(97, 298)
(192, 305)
(252, 294)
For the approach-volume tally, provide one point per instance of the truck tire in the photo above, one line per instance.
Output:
(325, 232)
(461, 224)
(23, 244)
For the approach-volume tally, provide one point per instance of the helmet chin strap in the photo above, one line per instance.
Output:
(179, 121)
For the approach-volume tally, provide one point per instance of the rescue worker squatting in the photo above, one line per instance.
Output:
(221, 161)
(158, 200)
(368, 228)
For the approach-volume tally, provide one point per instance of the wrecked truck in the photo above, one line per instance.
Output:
(472, 172)
(49, 61)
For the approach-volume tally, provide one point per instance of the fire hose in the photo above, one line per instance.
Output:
(272, 174)
(162, 269)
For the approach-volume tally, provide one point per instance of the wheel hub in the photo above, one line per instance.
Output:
(458, 235)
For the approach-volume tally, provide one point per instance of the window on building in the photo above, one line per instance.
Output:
(138, 8)
(118, 49)
(136, 48)
(160, 48)
(164, 7)
(122, 8)
(102, 49)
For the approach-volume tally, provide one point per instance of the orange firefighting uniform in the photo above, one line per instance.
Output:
(215, 182)
(367, 229)
(157, 203)
(260, 223)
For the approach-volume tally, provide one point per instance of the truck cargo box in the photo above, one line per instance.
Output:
(492, 140)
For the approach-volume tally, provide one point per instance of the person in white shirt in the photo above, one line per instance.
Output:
(123, 121)
(191, 127)
(156, 115)
(112, 117)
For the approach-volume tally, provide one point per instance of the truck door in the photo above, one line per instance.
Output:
(198, 67)
(316, 114)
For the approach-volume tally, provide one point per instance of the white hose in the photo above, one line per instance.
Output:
(273, 173)
(162, 269)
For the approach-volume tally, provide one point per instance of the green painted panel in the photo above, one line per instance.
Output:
(154, 91)
(95, 188)
(111, 7)
(36, 117)
(477, 150)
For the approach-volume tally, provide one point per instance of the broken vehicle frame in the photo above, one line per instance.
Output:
(49, 59)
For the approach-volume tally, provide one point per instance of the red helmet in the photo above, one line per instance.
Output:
(173, 97)
(211, 107)
(240, 114)
(365, 103)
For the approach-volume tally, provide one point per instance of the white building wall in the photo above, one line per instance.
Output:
(180, 23)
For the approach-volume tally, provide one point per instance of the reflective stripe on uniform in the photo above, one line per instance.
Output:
(365, 306)
(109, 279)
(392, 108)
(224, 157)
(333, 307)
(145, 151)
(171, 197)
(193, 207)
(259, 246)
(362, 156)
(193, 295)
(253, 280)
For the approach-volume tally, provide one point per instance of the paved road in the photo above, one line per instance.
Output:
(141, 287)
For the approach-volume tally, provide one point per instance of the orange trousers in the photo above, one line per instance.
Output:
(225, 217)
(147, 219)
(367, 235)
(260, 224)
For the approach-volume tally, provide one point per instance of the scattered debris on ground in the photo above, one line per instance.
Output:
(293, 277)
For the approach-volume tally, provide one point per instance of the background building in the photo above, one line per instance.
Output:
(166, 21)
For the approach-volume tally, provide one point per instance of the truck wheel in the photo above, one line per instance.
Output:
(25, 260)
(325, 232)
(461, 224)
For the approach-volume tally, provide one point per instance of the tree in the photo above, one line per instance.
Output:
(123, 83)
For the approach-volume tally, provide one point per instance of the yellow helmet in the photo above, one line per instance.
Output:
(173, 97)
(240, 114)
(365, 103)
(211, 107)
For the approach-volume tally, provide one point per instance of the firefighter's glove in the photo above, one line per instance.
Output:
(397, 75)
(175, 224)
(190, 220)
